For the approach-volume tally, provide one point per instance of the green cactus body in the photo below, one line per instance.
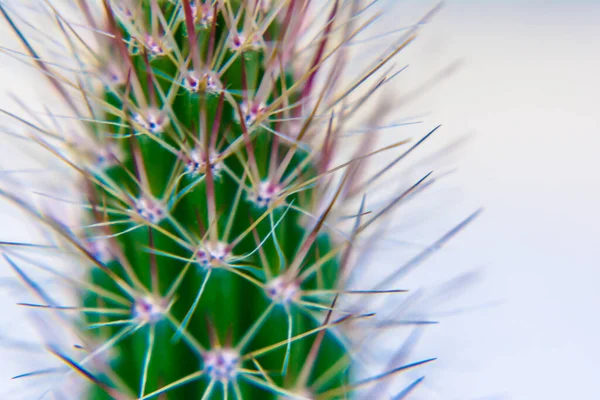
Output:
(223, 238)
(219, 232)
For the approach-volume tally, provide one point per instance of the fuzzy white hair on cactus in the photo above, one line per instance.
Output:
(153, 120)
(108, 156)
(196, 83)
(251, 112)
(283, 290)
(265, 194)
(101, 249)
(114, 75)
(213, 254)
(203, 15)
(239, 41)
(148, 309)
(196, 163)
(149, 209)
(222, 364)
(156, 46)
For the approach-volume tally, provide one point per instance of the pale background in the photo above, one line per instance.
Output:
(523, 106)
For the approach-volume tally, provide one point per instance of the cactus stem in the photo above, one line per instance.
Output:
(194, 128)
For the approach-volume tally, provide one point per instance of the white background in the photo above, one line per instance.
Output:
(526, 95)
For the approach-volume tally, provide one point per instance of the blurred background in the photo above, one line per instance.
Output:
(515, 85)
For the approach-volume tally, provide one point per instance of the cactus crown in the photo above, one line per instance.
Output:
(218, 238)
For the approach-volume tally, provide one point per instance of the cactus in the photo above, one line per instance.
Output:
(218, 227)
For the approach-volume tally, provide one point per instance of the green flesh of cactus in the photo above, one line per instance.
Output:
(230, 305)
